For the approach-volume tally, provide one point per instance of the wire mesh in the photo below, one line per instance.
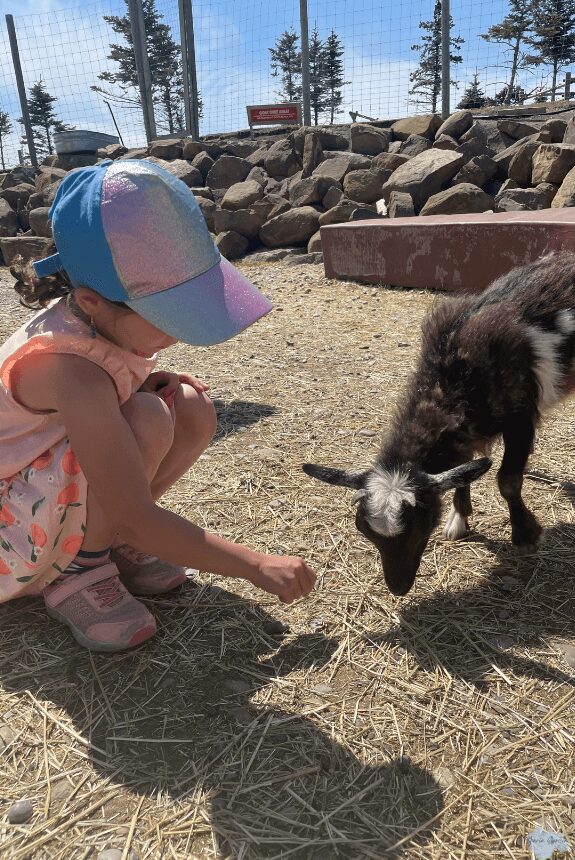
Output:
(66, 45)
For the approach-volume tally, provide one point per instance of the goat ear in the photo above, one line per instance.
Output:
(460, 476)
(340, 477)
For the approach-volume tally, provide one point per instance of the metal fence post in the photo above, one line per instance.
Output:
(142, 66)
(305, 62)
(191, 101)
(445, 58)
(568, 82)
(21, 89)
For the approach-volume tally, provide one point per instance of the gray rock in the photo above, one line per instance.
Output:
(183, 170)
(552, 162)
(8, 219)
(247, 222)
(231, 244)
(71, 160)
(329, 140)
(228, 170)
(311, 190)
(566, 193)
(368, 139)
(507, 186)
(400, 205)
(303, 259)
(258, 174)
(426, 126)
(456, 124)
(444, 141)
(363, 186)
(46, 176)
(241, 148)
(113, 151)
(138, 153)
(548, 192)
(486, 133)
(295, 227)
(364, 213)
(40, 222)
(415, 144)
(556, 128)
(258, 157)
(389, 161)
(460, 199)
(167, 149)
(242, 194)
(20, 812)
(268, 256)
(281, 159)
(28, 247)
(202, 162)
(332, 197)
(424, 175)
(208, 208)
(504, 158)
(338, 214)
(191, 149)
(516, 129)
(312, 154)
(478, 171)
(521, 164)
(569, 136)
(340, 165)
(270, 206)
(314, 245)
(202, 192)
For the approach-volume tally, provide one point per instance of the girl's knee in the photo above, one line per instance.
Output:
(151, 422)
(195, 413)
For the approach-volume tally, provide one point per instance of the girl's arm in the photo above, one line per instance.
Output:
(109, 456)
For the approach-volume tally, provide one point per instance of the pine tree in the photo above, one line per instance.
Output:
(553, 36)
(333, 71)
(165, 67)
(515, 96)
(317, 88)
(43, 120)
(426, 79)
(5, 129)
(512, 32)
(286, 60)
(473, 97)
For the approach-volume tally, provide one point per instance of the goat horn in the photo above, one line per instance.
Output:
(359, 494)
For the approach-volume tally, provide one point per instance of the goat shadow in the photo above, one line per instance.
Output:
(236, 415)
(277, 783)
(469, 632)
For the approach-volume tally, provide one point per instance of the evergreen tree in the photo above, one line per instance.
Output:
(512, 32)
(286, 61)
(553, 36)
(317, 87)
(5, 129)
(333, 74)
(473, 97)
(515, 96)
(43, 120)
(426, 79)
(165, 67)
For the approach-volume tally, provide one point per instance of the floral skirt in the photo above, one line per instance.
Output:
(42, 521)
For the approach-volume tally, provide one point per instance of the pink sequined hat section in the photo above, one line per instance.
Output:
(134, 233)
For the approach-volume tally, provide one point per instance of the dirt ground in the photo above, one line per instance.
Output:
(440, 725)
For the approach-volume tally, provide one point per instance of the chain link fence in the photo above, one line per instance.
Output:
(67, 46)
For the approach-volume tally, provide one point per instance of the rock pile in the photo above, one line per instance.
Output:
(277, 193)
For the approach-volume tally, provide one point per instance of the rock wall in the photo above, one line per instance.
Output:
(277, 192)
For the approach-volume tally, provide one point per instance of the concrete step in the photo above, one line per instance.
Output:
(462, 253)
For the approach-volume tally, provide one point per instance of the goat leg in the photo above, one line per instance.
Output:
(518, 439)
(457, 524)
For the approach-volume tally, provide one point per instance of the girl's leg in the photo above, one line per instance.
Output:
(195, 425)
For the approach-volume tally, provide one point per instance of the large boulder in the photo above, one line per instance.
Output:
(232, 245)
(332, 197)
(460, 199)
(203, 162)
(339, 213)
(486, 133)
(8, 219)
(424, 175)
(426, 126)
(400, 205)
(521, 165)
(336, 168)
(304, 192)
(18, 195)
(28, 247)
(363, 186)
(444, 141)
(40, 222)
(478, 171)
(281, 159)
(329, 140)
(242, 195)
(228, 170)
(523, 199)
(569, 136)
(552, 162)
(258, 158)
(208, 209)
(192, 148)
(241, 148)
(181, 169)
(556, 128)
(271, 205)
(388, 161)
(47, 176)
(312, 154)
(456, 124)
(167, 149)
(504, 158)
(516, 128)
(566, 193)
(295, 227)
(368, 139)
(414, 145)
(246, 222)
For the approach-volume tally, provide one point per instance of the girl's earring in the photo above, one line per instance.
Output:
(93, 330)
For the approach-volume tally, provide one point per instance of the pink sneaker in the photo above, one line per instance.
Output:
(100, 613)
(146, 575)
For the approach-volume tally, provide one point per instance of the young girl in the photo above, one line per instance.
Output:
(90, 435)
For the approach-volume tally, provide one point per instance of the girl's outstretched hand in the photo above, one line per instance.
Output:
(285, 575)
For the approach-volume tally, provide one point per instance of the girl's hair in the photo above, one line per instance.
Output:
(37, 292)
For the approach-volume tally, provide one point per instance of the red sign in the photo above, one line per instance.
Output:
(274, 114)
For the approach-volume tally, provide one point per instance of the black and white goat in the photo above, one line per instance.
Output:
(490, 366)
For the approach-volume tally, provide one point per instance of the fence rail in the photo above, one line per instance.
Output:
(81, 54)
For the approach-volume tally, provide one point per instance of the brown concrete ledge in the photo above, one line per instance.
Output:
(449, 252)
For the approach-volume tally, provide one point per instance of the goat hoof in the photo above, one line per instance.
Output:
(456, 526)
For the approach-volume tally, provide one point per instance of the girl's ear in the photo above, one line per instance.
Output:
(87, 300)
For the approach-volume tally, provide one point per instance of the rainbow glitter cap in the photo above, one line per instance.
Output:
(134, 233)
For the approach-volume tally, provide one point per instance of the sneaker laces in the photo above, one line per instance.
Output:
(108, 592)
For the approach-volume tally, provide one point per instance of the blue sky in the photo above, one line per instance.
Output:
(65, 43)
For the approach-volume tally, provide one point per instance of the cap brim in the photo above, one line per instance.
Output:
(208, 309)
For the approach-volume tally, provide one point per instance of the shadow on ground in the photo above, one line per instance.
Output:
(175, 717)
(235, 415)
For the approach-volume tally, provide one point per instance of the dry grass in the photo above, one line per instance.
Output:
(435, 726)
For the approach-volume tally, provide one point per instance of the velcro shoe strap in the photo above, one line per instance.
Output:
(75, 582)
